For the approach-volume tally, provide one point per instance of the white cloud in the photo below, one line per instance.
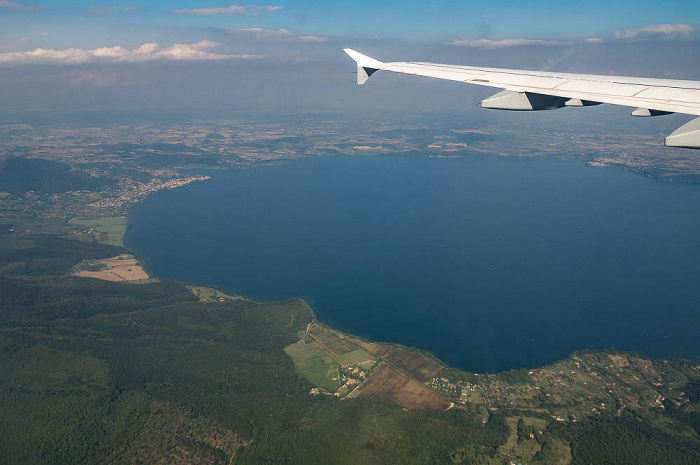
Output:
(145, 52)
(227, 10)
(17, 6)
(102, 10)
(491, 44)
(657, 30)
(594, 40)
(282, 35)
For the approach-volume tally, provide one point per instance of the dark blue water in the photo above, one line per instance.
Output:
(489, 263)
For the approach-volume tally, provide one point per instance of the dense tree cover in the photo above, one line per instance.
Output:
(681, 416)
(359, 431)
(47, 255)
(19, 175)
(73, 297)
(692, 389)
(625, 439)
(58, 407)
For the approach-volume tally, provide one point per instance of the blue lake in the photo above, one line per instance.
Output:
(489, 263)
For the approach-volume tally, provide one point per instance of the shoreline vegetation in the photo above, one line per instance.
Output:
(99, 370)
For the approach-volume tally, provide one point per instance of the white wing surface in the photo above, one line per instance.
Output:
(539, 90)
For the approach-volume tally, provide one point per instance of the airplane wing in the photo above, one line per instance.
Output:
(540, 90)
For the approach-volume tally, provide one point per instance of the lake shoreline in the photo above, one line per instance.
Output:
(226, 256)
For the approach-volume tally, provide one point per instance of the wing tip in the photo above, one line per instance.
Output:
(362, 60)
(366, 66)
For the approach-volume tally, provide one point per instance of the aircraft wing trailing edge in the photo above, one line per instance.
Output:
(540, 90)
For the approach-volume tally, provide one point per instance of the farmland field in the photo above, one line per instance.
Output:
(420, 367)
(314, 364)
(110, 229)
(388, 385)
(341, 348)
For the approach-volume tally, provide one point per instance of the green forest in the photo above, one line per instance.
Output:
(100, 372)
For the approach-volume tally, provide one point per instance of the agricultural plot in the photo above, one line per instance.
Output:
(356, 357)
(120, 268)
(386, 384)
(109, 229)
(420, 367)
(314, 364)
(380, 350)
(341, 348)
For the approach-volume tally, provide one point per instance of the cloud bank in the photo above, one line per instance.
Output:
(653, 31)
(491, 44)
(281, 35)
(227, 10)
(101, 10)
(666, 31)
(147, 52)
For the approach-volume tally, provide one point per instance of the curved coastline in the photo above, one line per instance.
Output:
(160, 368)
(212, 278)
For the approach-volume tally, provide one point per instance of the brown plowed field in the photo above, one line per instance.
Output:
(389, 385)
(372, 347)
(120, 268)
(420, 367)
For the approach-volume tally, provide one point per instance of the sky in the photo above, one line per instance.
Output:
(66, 55)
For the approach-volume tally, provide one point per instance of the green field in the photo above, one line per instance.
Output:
(331, 340)
(340, 347)
(111, 228)
(356, 357)
(314, 364)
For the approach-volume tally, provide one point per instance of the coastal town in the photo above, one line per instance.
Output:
(131, 192)
(234, 143)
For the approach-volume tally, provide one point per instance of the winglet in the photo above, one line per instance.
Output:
(366, 66)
